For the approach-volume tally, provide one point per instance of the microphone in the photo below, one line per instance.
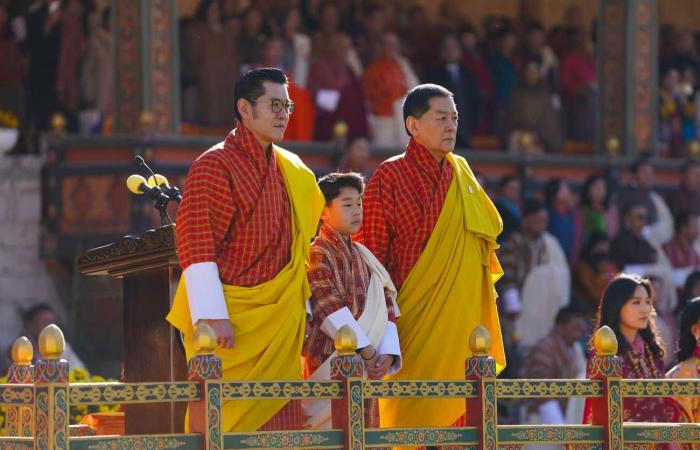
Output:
(138, 185)
(158, 180)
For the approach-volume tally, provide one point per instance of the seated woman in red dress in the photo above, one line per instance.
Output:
(627, 308)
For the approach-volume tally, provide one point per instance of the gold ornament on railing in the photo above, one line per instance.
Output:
(694, 148)
(146, 120)
(605, 342)
(22, 352)
(204, 339)
(345, 341)
(58, 123)
(612, 145)
(51, 343)
(480, 341)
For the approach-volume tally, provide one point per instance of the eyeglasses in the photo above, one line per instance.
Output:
(276, 106)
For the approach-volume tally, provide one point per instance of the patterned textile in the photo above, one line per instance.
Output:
(235, 212)
(290, 417)
(403, 200)
(384, 82)
(518, 256)
(688, 369)
(338, 277)
(681, 254)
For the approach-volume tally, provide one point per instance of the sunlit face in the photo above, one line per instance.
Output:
(535, 224)
(344, 213)
(636, 313)
(259, 118)
(636, 219)
(436, 129)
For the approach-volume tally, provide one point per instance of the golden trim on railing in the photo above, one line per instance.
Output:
(548, 388)
(387, 389)
(660, 388)
(236, 390)
(130, 393)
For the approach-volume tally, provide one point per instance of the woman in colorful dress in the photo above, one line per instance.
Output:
(627, 307)
(689, 357)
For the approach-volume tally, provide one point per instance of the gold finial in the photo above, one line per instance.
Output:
(694, 148)
(340, 129)
(345, 341)
(22, 352)
(146, 120)
(612, 145)
(58, 123)
(526, 141)
(51, 343)
(204, 339)
(480, 341)
(605, 342)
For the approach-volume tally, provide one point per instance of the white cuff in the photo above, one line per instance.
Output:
(550, 413)
(205, 293)
(343, 316)
(389, 345)
(511, 301)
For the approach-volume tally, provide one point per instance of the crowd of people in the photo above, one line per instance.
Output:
(350, 63)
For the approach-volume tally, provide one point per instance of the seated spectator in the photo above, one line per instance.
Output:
(34, 320)
(356, 157)
(504, 72)
(640, 191)
(686, 198)
(212, 50)
(474, 61)
(579, 88)
(337, 92)
(536, 281)
(562, 217)
(296, 57)
(593, 213)
(688, 358)
(508, 205)
(593, 271)
(532, 110)
(535, 47)
(451, 74)
(385, 84)
(681, 249)
(556, 356)
(672, 104)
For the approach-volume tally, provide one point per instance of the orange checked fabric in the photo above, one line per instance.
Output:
(403, 200)
(236, 212)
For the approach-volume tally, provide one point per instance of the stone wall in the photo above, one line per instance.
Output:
(24, 280)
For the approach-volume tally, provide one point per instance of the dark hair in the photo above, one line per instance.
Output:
(417, 101)
(332, 183)
(506, 180)
(686, 341)
(30, 314)
(594, 239)
(586, 190)
(567, 313)
(682, 219)
(250, 85)
(687, 294)
(634, 205)
(532, 206)
(551, 189)
(642, 161)
(616, 295)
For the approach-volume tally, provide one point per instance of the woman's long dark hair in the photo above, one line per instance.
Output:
(686, 340)
(616, 294)
(585, 199)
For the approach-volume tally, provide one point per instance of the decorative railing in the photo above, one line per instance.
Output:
(38, 397)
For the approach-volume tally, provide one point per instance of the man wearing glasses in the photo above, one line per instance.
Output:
(248, 214)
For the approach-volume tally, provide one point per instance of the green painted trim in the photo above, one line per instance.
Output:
(387, 437)
(150, 442)
(554, 434)
(145, 17)
(660, 388)
(285, 439)
(16, 443)
(641, 433)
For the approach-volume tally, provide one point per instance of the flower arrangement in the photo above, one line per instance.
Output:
(8, 120)
(77, 412)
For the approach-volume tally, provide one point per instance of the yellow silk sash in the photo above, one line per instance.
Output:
(446, 295)
(268, 319)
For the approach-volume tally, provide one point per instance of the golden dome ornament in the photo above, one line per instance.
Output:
(22, 352)
(480, 341)
(345, 341)
(51, 343)
(605, 342)
(204, 339)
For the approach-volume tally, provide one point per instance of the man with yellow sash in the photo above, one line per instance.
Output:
(244, 228)
(434, 228)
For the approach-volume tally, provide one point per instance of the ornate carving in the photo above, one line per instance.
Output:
(233, 390)
(162, 64)
(213, 415)
(155, 246)
(395, 389)
(550, 434)
(422, 437)
(281, 439)
(105, 393)
(489, 425)
(480, 367)
(356, 415)
(605, 366)
(17, 395)
(548, 388)
(204, 367)
(51, 372)
(347, 366)
(660, 433)
(135, 442)
(614, 415)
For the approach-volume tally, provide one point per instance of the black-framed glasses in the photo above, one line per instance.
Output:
(276, 106)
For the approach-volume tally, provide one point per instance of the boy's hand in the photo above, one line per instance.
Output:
(223, 330)
(369, 356)
(381, 368)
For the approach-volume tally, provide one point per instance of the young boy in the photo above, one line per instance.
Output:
(349, 286)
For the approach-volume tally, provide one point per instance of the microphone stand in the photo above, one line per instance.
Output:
(160, 198)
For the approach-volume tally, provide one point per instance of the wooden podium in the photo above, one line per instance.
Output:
(150, 272)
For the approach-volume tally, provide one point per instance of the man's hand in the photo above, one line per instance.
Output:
(381, 368)
(223, 330)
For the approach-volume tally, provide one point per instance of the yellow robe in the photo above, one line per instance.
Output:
(268, 319)
(448, 293)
